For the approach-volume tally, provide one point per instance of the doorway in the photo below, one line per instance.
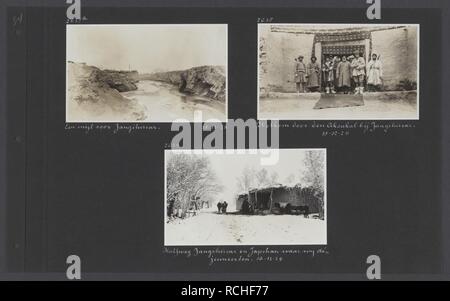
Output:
(339, 51)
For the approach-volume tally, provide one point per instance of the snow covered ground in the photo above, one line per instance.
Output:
(210, 228)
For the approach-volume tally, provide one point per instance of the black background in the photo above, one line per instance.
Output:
(100, 195)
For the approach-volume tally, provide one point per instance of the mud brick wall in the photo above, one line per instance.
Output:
(277, 53)
(398, 50)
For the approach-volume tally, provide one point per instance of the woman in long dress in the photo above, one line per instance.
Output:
(374, 73)
(336, 62)
(313, 73)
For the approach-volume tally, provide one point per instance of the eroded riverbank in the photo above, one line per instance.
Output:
(164, 103)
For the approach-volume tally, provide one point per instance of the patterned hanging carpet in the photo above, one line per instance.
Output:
(339, 101)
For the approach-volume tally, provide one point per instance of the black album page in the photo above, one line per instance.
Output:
(224, 140)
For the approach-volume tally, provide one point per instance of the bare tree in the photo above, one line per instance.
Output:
(189, 177)
(262, 178)
(273, 179)
(314, 174)
(290, 180)
(252, 179)
(246, 180)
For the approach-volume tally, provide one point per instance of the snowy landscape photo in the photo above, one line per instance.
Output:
(338, 71)
(146, 73)
(231, 198)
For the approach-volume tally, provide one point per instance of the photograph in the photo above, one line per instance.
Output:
(146, 72)
(338, 71)
(230, 198)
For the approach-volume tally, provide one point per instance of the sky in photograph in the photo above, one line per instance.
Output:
(229, 166)
(147, 48)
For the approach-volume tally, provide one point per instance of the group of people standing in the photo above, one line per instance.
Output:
(339, 74)
(222, 207)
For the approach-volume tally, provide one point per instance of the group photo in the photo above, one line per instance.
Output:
(337, 71)
(341, 74)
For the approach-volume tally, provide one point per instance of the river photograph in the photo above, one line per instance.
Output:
(164, 102)
(145, 73)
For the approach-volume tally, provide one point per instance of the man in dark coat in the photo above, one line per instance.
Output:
(219, 207)
(300, 75)
(313, 73)
(224, 207)
(344, 75)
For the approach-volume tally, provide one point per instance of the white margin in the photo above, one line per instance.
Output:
(234, 152)
(144, 121)
(340, 24)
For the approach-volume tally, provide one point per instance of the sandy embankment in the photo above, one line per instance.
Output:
(204, 81)
(91, 96)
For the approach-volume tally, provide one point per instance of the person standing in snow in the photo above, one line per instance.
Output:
(224, 207)
(219, 207)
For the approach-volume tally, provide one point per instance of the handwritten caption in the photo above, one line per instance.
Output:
(346, 128)
(325, 128)
(248, 255)
(117, 128)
